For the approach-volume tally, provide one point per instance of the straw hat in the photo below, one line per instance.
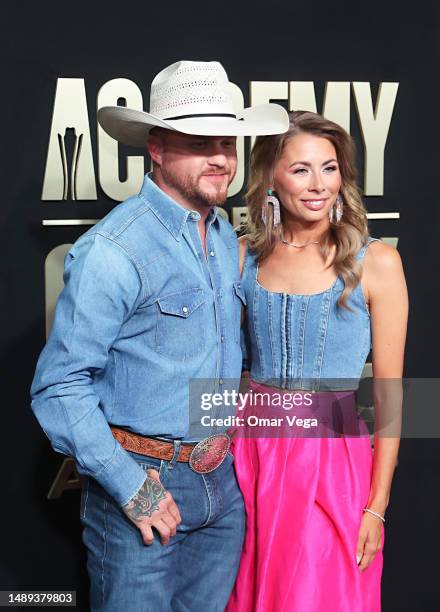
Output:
(193, 98)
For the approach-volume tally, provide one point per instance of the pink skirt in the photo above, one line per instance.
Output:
(304, 497)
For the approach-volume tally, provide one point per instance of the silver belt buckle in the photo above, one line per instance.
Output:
(209, 453)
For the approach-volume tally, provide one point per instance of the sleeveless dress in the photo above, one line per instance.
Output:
(304, 492)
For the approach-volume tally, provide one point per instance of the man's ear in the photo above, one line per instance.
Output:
(155, 148)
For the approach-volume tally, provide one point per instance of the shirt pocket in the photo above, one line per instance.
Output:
(180, 329)
(239, 302)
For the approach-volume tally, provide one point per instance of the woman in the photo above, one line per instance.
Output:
(320, 293)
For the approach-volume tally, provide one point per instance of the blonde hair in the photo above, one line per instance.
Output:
(348, 236)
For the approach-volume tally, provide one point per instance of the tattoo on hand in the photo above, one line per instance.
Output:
(146, 501)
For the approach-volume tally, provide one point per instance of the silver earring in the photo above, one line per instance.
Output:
(338, 206)
(271, 199)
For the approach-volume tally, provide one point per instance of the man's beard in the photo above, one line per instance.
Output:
(189, 187)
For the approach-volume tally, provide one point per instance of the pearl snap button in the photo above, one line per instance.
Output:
(212, 253)
(185, 309)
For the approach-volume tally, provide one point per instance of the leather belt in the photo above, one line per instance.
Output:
(203, 457)
(151, 447)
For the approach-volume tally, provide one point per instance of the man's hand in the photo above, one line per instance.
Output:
(153, 506)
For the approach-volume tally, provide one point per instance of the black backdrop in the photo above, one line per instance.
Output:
(320, 41)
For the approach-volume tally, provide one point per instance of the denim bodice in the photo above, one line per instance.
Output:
(296, 341)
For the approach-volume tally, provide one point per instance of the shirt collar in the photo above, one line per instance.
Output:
(172, 215)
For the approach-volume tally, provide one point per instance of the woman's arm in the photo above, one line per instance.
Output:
(385, 291)
(388, 302)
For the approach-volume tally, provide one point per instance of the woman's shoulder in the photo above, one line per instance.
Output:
(381, 255)
(382, 266)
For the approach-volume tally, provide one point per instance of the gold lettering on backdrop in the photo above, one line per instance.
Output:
(77, 170)
(53, 281)
(108, 162)
(69, 111)
(302, 96)
(262, 92)
(336, 106)
(374, 125)
(337, 103)
(66, 479)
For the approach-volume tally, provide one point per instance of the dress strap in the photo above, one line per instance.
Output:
(363, 250)
(243, 249)
(248, 260)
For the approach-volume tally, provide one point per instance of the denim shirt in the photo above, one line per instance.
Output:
(142, 312)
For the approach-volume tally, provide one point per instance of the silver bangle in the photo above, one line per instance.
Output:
(375, 514)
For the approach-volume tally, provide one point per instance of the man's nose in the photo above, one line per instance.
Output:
(217, 158)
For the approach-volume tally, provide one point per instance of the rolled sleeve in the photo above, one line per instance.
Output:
(102, 288)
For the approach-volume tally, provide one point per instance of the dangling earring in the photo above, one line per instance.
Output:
(338, 206)
(271, 199)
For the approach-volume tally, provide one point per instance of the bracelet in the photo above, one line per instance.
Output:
(375, 514)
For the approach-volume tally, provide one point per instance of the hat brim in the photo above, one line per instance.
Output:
(131, 127)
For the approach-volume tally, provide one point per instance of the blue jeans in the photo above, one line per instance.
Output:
(195, 571)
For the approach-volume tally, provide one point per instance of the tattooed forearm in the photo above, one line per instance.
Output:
(146, 501)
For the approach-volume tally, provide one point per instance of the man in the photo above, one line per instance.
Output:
(152, 300)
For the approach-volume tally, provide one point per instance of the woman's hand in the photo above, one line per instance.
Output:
(370, 540)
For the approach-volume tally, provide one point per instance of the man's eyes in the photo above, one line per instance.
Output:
(201, 145)
(198, 146)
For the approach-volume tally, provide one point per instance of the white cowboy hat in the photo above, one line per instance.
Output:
(193, 98)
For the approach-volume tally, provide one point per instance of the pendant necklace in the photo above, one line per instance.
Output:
(297, 246)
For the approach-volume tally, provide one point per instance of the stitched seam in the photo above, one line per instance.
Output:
(257, 335)
(150, 261)
(86, 498)
(209, 500)
(162, 220)
(302, 331)
(275, 363)
(283, 341)
(190, 289)
(134, 261)
(115, 383)
(128, 222)
(104, 537)
(325, 309)
(290, 349)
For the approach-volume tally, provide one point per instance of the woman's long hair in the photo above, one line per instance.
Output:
(348, 236)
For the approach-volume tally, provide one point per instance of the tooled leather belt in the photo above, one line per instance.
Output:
(203, 457)
(151, 447)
